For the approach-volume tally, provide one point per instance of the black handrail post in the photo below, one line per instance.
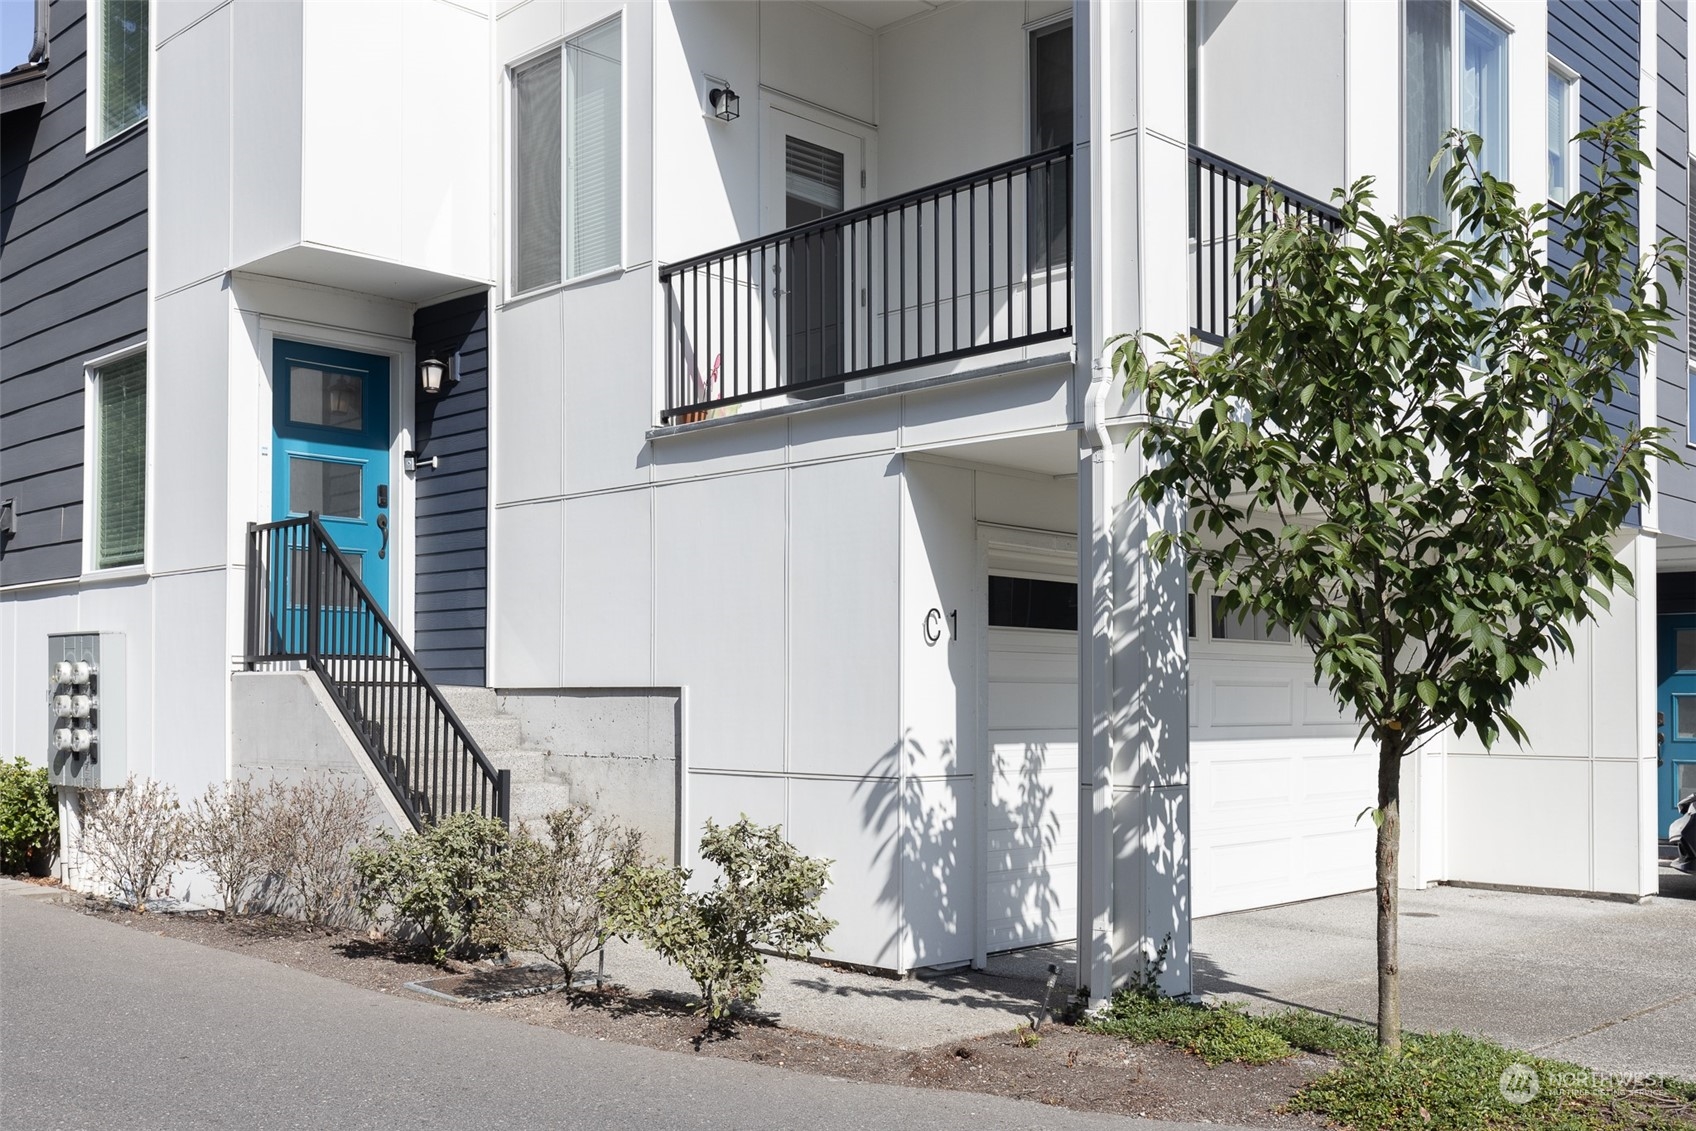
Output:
(503, 796)
(250, 641)
(313, 595)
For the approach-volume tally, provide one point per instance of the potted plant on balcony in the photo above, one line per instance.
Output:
(29, 818)
(706, 390)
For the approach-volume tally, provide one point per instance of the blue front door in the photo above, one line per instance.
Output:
(332, 451)
(1677, 704)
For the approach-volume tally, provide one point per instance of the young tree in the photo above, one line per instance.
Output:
(1412, 449)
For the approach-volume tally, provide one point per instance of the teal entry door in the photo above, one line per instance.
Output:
(331, 451)
(1677, 704)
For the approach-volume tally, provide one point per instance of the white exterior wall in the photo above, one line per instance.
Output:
(1270, 84)
(756, 563)
(1573, 809)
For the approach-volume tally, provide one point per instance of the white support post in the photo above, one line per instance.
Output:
(1133, 211)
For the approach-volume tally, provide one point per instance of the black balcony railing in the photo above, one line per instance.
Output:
(1219, 191)
(967, 266)
(306, 606)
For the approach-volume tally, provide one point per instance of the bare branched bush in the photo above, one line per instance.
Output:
(232, 833)
(323, 818)
(554, 902)
(134, 836)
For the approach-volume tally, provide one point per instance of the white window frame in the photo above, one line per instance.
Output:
(94, 58)
(509, 131)
(91, 569)
(1574, 100)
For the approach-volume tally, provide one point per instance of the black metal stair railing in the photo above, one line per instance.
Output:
(1219, 191)
(306, 606)
(966, 266)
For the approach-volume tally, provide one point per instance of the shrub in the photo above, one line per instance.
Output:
(766, 895)
(434, 882)
(29, 814)
(235, 832)
(554, 885)
(323, 820)
(134, 836)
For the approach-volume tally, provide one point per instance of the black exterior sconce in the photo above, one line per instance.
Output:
(726, 105)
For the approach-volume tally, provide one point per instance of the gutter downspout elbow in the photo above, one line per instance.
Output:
(1095, 435)
(38, 49)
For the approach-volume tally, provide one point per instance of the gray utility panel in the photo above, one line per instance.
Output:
(85, 710)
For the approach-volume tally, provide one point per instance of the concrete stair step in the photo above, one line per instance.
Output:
(497, 732)
(471, 702)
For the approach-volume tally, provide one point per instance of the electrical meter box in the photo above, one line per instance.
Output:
(85, 710)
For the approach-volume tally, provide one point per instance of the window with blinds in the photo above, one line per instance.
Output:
(119, 89)
(120, 462)
(568, 158)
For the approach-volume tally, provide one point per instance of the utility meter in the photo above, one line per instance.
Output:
(85, 708)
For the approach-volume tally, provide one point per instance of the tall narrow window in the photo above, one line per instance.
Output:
(119, 87)
(594, 155)
(1484, 89)
(120, 462)
(1050, 126)
(536, 170)
(1563, 119)
(1437, 97)
(568, 158)
(1427, 39)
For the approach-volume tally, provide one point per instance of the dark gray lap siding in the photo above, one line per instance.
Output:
(451, 529)
(1599, 39)
(1671, 156)
(73, 286)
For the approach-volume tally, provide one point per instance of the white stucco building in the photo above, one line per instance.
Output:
(782, 473)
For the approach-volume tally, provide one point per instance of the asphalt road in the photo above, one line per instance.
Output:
(104, 1026)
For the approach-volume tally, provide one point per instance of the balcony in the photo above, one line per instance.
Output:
(1219, 191)
(974, 265)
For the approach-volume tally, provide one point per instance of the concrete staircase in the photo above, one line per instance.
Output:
(540, 783)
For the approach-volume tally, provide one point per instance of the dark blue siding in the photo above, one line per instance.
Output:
(1671, 157)
(73, 285)
(1599, 39)
(451, 531)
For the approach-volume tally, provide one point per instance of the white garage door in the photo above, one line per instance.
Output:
(1031, 879)
(1276, 780)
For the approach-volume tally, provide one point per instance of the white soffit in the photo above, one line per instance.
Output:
(358, 273)
(876, 14)
(1048, 453)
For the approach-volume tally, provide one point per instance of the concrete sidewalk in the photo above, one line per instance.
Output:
(1607, 985)
(908, 1013)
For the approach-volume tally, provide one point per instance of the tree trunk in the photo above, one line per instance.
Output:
(1389, 868)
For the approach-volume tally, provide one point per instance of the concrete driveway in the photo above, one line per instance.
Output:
(1608, 985)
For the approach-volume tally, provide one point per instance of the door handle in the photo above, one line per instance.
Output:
(383, 525)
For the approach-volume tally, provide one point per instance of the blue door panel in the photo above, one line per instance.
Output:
(1677, 705)
(331, 451)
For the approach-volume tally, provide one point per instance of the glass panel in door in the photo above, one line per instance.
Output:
(813, 188)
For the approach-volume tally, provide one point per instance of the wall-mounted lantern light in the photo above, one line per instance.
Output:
(726, 105)
(436, 376)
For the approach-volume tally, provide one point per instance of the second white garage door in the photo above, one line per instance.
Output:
(1276, 782)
